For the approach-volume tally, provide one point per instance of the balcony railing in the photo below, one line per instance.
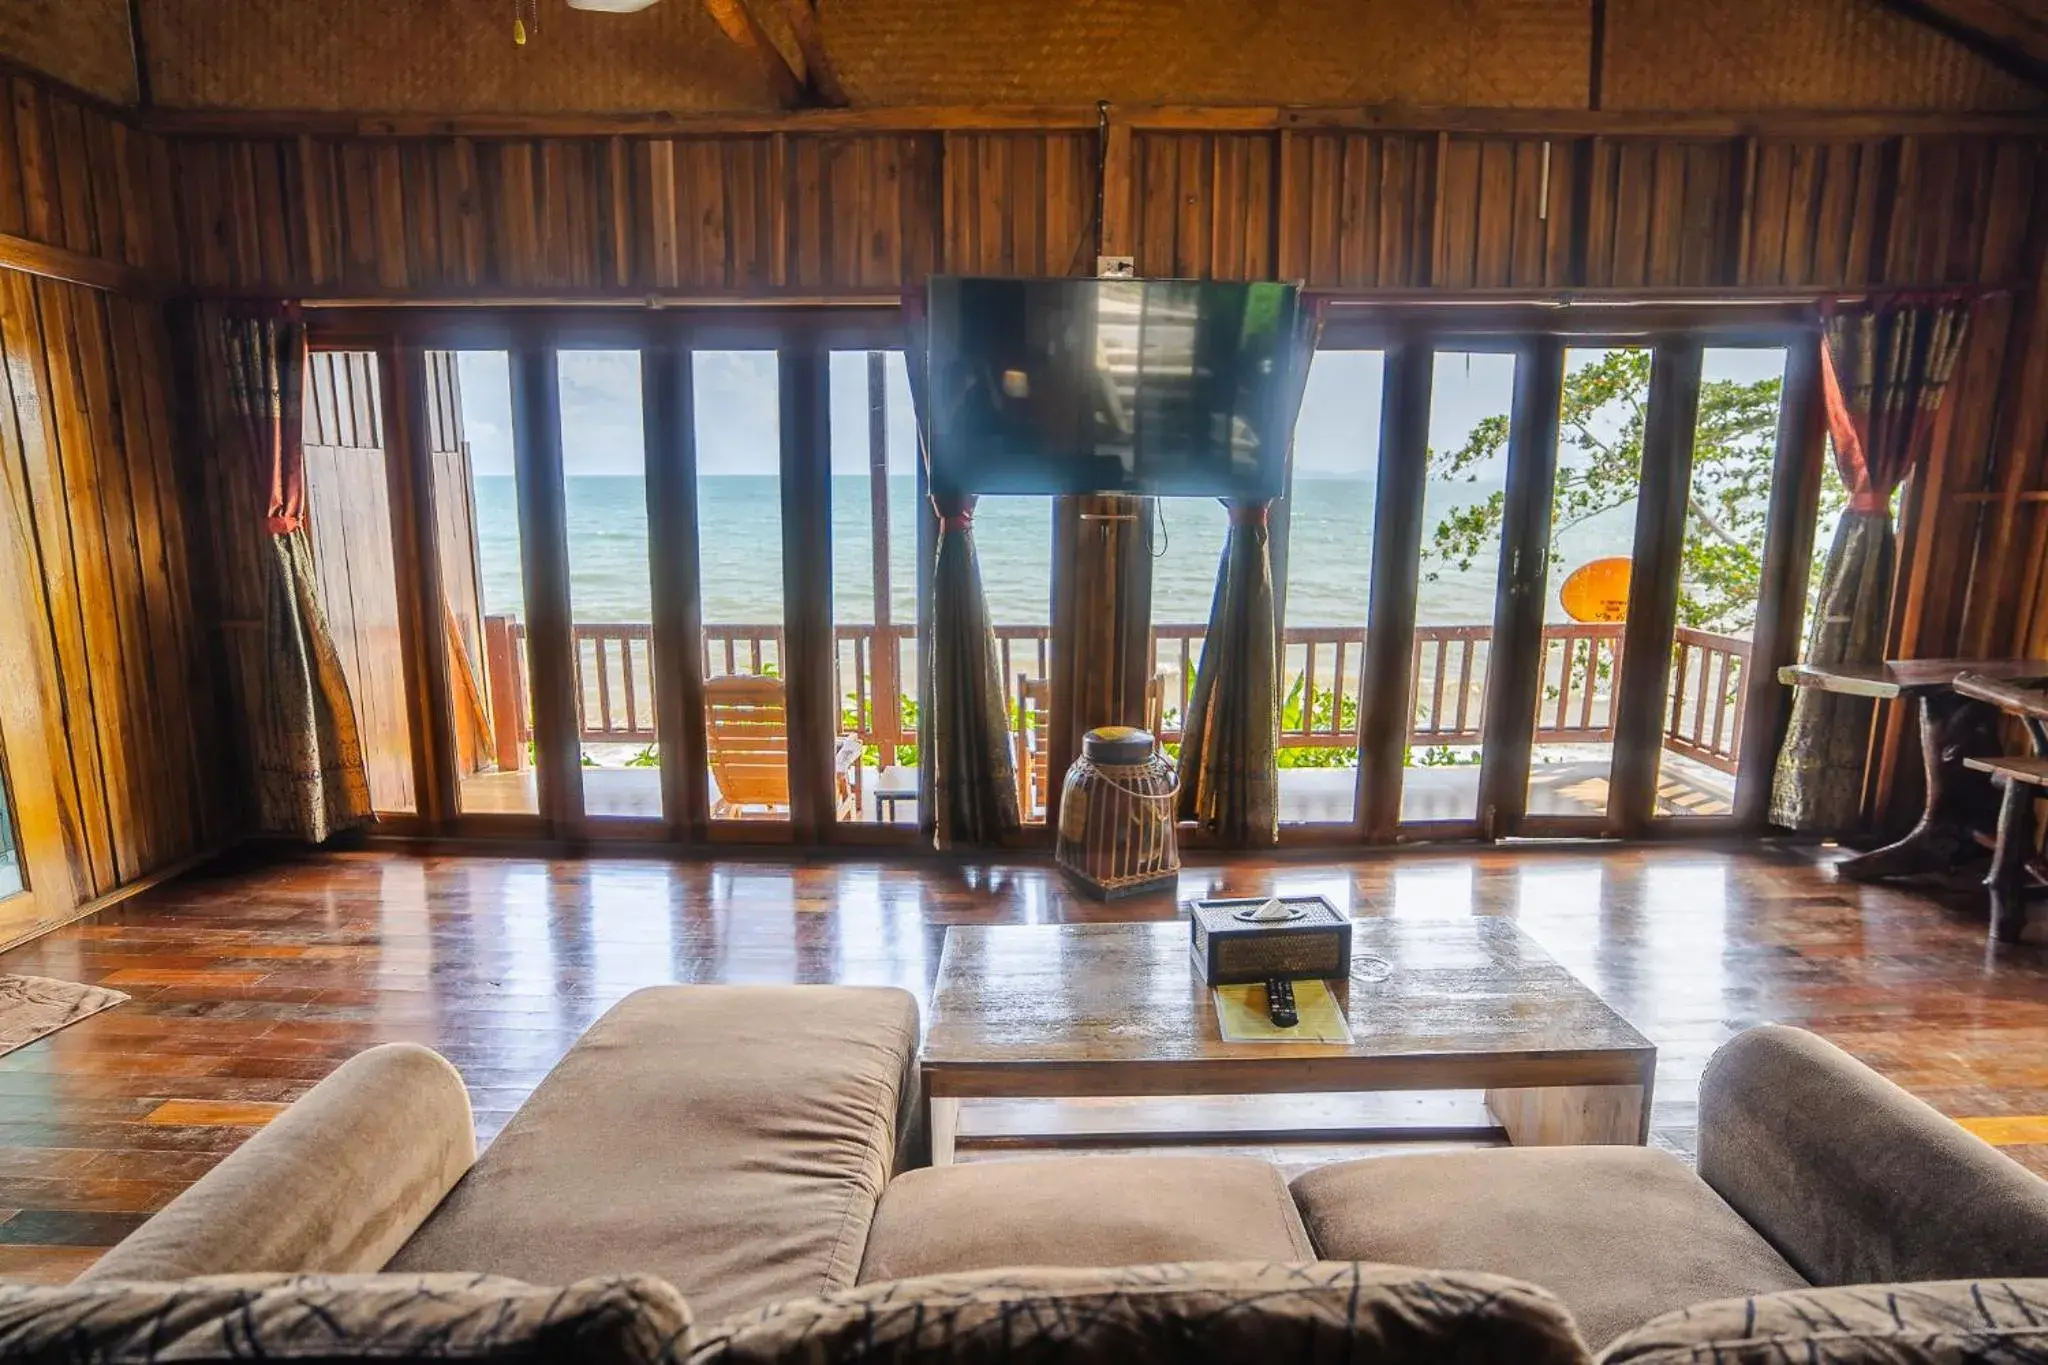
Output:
(1321, 668)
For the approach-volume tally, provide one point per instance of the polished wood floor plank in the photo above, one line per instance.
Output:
(251, 980)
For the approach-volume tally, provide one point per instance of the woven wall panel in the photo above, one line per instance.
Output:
(457, 55)
(1292, 51)
(1812, 54)
(446, 56)
(82, 42)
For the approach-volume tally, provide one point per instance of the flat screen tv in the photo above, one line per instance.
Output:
(1166, 387)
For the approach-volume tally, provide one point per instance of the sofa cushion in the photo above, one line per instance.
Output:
(730, 1140)
(387, 1318)
(1083, 1211)
(1621, 1234)
(1884, 1324)
(1304, 1313)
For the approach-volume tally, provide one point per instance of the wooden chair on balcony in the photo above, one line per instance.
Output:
(746, 740)
(1034, 712)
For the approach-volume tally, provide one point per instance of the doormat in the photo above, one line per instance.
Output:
(33, 1007)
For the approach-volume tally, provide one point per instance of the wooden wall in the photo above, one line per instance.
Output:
(122, 628)
(88, 458)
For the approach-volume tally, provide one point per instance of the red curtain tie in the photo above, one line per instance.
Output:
(1252, 514)
(957, 521)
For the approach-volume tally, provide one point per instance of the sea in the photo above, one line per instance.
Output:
(1329, 573)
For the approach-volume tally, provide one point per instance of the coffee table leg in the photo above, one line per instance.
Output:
(942, 1121)
(1573, 1116)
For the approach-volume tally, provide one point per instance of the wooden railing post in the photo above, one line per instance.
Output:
(508, 704)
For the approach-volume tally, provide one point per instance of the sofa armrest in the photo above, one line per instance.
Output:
(335, 1184)
(1854, 1180)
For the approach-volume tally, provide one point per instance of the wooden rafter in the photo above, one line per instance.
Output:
(737, 19)
(2011, 33)
(822, 79)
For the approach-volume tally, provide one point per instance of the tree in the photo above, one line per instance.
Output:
(1600, 468)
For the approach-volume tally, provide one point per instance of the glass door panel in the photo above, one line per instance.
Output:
(739, 549)
(1592, 544)
(476, 502)
(1330, 509)
(348, 519)
(1733, 450)
(611, 613)
(1464, 506)
(874, 587)
(1013, 541)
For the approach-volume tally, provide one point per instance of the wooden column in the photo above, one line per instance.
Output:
(1513, 674)
(669, 416)
(1643, 692)
(544, 542)
(1788, 559)
(1396, 582)
(808, 665)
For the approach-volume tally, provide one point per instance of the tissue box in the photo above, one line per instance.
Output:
(1231, 949)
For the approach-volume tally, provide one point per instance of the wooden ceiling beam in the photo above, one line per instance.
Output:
(737, 20)
(821, 78)
(2010, 33)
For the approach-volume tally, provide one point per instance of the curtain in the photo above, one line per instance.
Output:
(1884, 373)
(965, 725)
(310, 780)
(1230, 745)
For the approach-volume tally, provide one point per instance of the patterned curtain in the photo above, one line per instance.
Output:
(310, 780)
(965, 722)
(1884, 373)
(1229, 752)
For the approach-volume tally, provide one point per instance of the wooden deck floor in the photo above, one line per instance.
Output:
(252, 981)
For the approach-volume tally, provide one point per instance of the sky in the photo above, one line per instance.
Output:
(1337, 433)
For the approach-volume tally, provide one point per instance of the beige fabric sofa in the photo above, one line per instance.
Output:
(751, 1146)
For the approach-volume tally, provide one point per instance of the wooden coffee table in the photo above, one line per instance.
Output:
(1085, 1010)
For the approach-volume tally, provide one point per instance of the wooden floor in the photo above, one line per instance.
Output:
(252, 981)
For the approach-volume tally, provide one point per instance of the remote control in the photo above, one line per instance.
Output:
(1280, 1003)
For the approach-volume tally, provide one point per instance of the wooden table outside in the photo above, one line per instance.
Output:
(1085, 1010)
(1960, 810)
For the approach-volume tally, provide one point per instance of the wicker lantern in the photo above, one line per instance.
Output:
(1116, 814)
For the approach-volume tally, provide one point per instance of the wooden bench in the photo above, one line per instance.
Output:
(2019, 781)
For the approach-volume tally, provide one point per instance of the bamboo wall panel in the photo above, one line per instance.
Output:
(81, 42)
(348, 514)
(1017, 203)
(1767, 54)
(86, 452)
(1356, 210)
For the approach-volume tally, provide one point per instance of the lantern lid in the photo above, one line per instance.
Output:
(1117, 744)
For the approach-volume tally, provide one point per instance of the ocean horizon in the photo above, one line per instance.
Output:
(1330, 552)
